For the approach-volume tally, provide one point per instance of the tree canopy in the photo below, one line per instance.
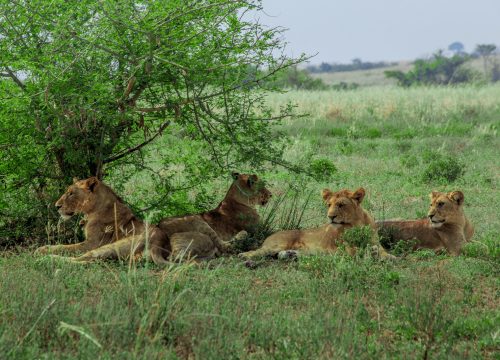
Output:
(88, 86)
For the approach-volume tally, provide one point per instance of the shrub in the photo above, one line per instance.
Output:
(322, 169)
(358, 236)
(345, 147)
(409, 161)
(338, 132)
(443, 168)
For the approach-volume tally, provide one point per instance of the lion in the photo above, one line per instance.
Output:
(111, 229)
(210, 233)
(446, 228)
(344, 212)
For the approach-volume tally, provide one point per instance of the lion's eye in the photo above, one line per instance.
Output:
(440, 204)
(340, 205)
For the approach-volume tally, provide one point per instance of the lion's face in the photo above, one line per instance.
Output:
(344, 206)
(79, 198)
(446, 208)
(249, 189)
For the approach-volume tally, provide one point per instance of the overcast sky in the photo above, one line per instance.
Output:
(340, 30)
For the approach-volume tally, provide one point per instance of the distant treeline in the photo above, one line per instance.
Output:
(448, 68)
(300, 79)
(356, 64)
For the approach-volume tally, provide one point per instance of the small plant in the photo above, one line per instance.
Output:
(358, 236)
(409, 161)
(338, 132)
(443, 168)
(285, 212)
(322, 169)
(403, 146)
(345, 147)
(371, 133)
(403, 247)
(475, 249)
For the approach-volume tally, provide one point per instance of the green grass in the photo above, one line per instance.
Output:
(399, 145)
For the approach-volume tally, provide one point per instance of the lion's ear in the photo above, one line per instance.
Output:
(75, 180)
(456, 196)
(235, 175)
(359, 195)
(252, 179)
(91, 183)
(326, 194)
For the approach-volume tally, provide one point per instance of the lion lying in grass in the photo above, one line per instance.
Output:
(111, 229)
(344, 212)
(446, 226)
(207, 234)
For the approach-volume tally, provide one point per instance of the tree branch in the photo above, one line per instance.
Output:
(137, 147)
(13, 76)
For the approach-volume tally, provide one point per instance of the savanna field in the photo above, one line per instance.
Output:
(399, 144)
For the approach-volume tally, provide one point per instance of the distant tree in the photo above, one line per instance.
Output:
(294, 78)
(457, 47)
(485, 51)
(325, 67)
(439, 70)
(357, 62)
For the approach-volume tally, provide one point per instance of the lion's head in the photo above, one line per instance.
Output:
(446, 208)
(79, 198)
(344, 206)
(249, 189)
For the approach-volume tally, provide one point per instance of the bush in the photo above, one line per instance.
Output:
(322, 169)
(345, 147)
(358, 236)
(443, 168)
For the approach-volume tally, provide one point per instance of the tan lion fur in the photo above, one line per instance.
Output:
(208, 234)
(446, 227)
(344, 212)
(111, 229)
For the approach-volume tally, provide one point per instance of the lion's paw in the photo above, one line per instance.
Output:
(287, 255)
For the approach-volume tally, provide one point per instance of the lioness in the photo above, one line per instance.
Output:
(207, 234)
(446, 226)
(111, 229)
(344, 211)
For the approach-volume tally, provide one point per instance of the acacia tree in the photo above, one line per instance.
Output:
(89, 85)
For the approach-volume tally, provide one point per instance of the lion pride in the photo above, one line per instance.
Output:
(446, 226)
(344, 211)
(111, 229)
(208, 234)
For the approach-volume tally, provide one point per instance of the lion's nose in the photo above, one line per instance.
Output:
(58, 206)
(332, 217)
(430, 216)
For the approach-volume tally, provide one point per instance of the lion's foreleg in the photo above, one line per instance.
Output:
(221, 245)
(454, 246)
(261, 252)
(59, 249)
(121, 249)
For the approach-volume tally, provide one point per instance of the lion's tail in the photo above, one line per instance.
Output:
(159, 247)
